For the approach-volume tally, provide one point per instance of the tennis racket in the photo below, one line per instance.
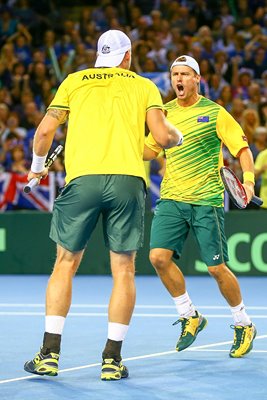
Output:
(34, 182)
(236, 190)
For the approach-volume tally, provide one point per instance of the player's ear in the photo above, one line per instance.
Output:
(128, 55)
(198, 77)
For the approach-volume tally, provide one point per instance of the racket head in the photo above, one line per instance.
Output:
(234, 187)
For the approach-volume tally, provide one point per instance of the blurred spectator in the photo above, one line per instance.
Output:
(226, 17)
(19, 82)
(215, 86)
(254, 94)
(84, 19)
(258, 144)
(18, 162)
(238, 108)
(8, 24)
(13, 126)
(244, 24)
(261, 172)
(257, 62)
(38, 74)
(227, 42)
(30, 112)
(250, 121)
(259, 141)
(22, 45)
(263, 113)
(226, 97)
(8, 58)
(4, 114)
(241, 82)
(158, 55)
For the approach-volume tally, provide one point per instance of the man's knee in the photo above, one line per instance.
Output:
(160, 258)
(218, 271)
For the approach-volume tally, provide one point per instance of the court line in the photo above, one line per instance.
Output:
(145, 306)
(90, 314)
(204, 347)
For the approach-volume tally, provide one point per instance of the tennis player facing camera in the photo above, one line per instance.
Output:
(191, 198)
(107, 107)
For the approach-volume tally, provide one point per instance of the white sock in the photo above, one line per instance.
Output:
(184, 306)
(240, 316)
(54, 324)
(117, 331)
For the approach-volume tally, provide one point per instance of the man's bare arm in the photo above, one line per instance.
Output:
(43, 139)
(247, 165)
(46, 130)
(164, 133)
(60, 115)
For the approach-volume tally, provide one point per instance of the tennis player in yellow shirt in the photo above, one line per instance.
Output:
(191, 198)
(107, 107)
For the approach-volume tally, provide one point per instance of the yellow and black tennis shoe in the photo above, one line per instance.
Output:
(43, 364)
(190, 328)
(113, 370)
(243, 340)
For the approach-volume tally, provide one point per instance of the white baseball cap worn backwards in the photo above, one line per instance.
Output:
(111, 47)
(188, 61)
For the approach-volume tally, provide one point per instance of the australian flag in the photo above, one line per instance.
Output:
(203, 118)
(12, 196)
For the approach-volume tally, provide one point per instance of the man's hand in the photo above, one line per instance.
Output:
(249, 188)
(39, 176)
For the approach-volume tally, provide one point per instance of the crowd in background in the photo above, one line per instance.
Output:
(41, 42)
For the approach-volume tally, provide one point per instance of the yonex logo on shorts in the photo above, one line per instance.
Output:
(216, 257)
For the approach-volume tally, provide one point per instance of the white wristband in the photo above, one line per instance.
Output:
(38, 163)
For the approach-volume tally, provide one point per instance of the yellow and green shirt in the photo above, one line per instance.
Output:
(106, 127)
(192, 170)
(261, 160)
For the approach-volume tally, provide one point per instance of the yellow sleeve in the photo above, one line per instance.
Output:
(61, 99)
(230, 132)
(152, 144)
(154, 99)
(261, 160)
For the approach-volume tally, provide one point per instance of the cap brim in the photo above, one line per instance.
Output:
(109, 61)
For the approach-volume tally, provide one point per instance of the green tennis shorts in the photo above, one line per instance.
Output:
(171, 224)
(120, 199)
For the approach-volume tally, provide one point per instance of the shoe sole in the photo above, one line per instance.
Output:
(115, 375)
(51, 373)
(200, 328)
(248, 350)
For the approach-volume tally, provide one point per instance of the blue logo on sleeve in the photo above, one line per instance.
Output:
(203, 119)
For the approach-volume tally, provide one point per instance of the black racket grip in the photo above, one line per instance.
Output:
(257, 200)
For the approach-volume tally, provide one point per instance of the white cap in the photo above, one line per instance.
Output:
(111, 48)
(186, 60)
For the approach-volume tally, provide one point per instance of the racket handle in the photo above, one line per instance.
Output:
(31, 184)
(257, 200)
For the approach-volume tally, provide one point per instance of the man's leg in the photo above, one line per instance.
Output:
(58, 301)
(170, 274)
(228, 284)
(173, 279)
(120, 311)
(245, 331)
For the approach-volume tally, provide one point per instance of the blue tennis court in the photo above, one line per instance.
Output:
(157, 371)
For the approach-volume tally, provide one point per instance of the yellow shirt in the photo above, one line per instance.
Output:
(261, 160)
(192, 170)
(106, 127)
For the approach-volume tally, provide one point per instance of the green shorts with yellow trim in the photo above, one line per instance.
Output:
(173, 220)
(119, 199)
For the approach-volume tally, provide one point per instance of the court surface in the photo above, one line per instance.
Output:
(157, 371)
